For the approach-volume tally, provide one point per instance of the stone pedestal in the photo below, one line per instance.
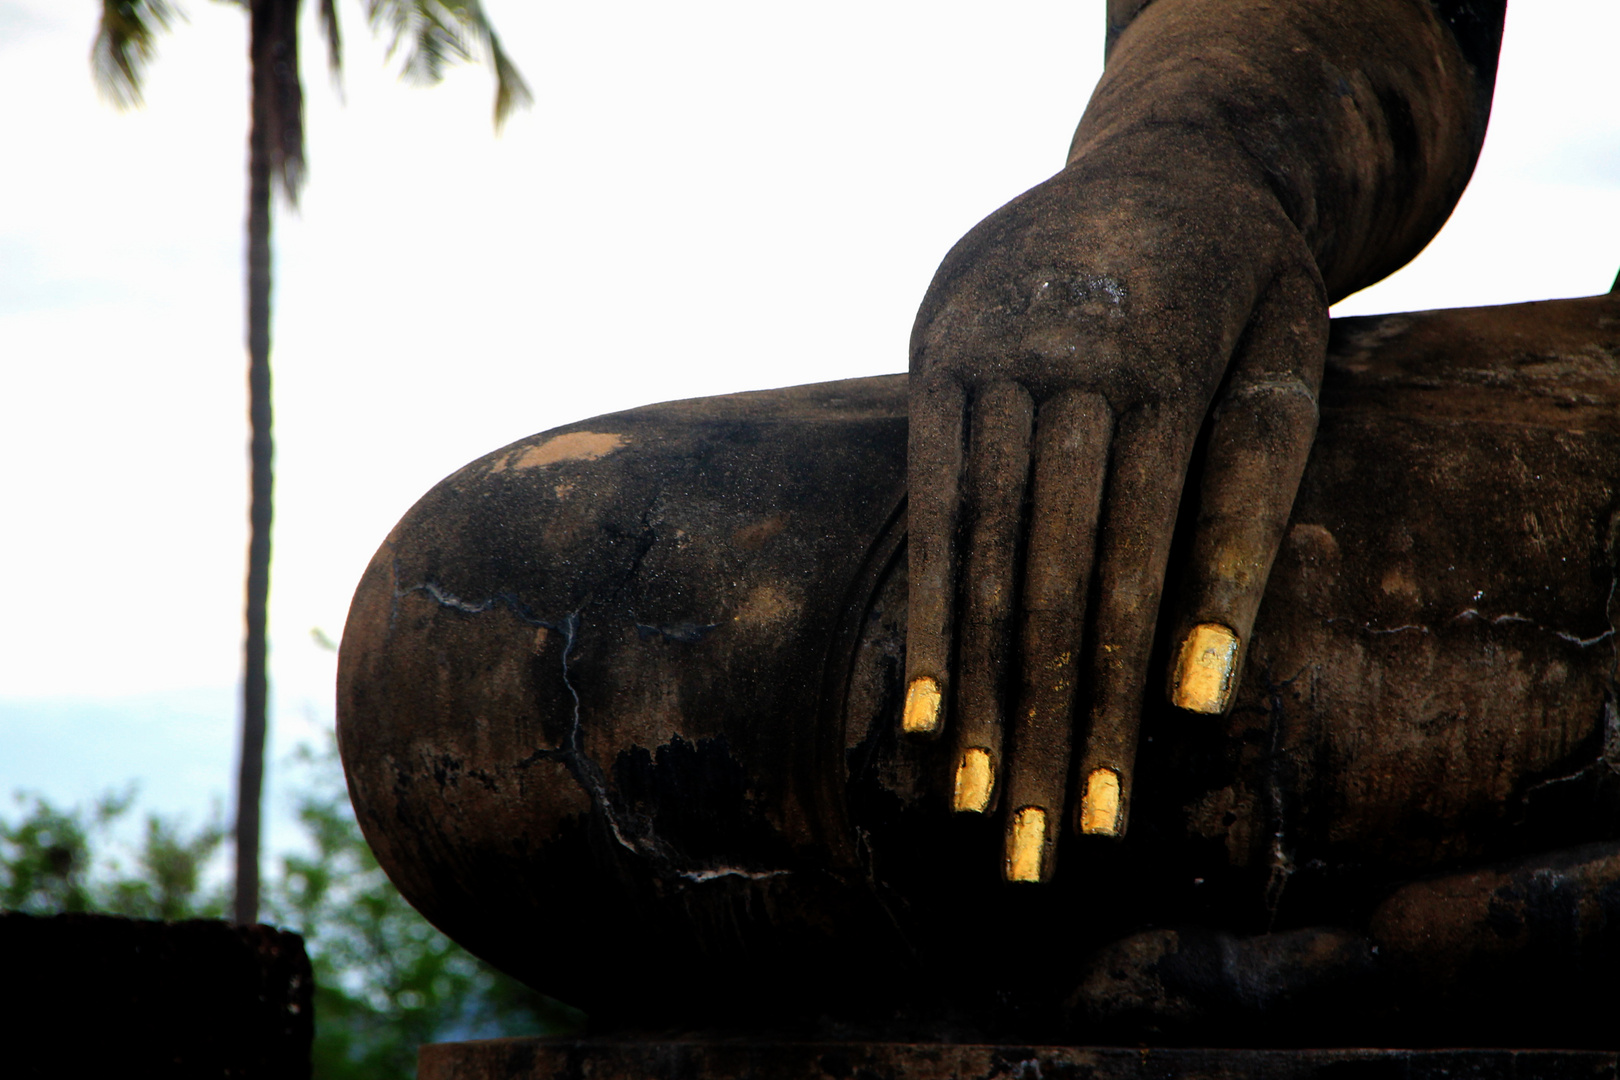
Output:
(574, 1059)
(136, 998)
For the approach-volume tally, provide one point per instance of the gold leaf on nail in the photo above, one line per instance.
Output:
(974, 780)
(1099, 810)
(1204, 669)
(921, 716)
(1026, 844)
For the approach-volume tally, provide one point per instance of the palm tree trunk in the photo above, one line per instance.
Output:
(255, 682)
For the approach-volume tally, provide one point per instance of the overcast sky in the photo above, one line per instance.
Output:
(706, 197)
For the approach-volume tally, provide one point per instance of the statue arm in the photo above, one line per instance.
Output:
(1145, 330)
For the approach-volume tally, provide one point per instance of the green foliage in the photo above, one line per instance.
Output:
(385, 980)
(438, 33)
(126, 41)
(57, 861)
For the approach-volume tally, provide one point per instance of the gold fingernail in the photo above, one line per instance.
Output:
(973, 781)
(1025, 845)
(922, 707)
(1099, 810)
(1204, 669)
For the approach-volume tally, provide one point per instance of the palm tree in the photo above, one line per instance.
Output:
(434, 34)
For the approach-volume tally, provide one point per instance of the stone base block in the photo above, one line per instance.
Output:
(573, 1059)
(103, 997)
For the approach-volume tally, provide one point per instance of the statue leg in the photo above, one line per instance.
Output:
(619, 704)
(1457, 959)
(582, 700)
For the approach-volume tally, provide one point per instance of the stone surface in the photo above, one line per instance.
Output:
(543, 1059)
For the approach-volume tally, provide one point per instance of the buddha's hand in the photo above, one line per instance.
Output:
(1072, 351)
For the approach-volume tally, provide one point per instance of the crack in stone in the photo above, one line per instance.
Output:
(631, 831)
(719, 872)
(1511, 617)
(585, 771)
(644, 544)
(1282, 863)
(1586, 643)
(1508, 619)
(444, 599)
(1609, 755)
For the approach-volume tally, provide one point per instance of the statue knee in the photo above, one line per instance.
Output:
(584, 673)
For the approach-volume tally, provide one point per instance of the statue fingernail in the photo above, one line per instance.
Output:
(1025, 845)
(921, 716)
(973, 782)
(1099, 810)
(1205, 668)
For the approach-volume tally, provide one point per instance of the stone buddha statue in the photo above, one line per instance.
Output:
(1157, 660)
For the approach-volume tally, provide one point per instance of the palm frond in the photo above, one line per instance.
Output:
(438, 33)
(511, 92)
(334, 38)
(126, 41)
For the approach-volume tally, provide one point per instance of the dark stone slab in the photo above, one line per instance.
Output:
(97, 995)
(565, 1059)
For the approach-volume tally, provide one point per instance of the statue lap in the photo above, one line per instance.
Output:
(619, 706)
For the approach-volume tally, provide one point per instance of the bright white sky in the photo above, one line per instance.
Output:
(706, 197)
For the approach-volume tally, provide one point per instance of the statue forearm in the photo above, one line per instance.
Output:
(1241, 164)
(1363, 117)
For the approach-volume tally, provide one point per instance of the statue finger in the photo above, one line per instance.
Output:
(1072, 434)
(1264, 425)
(1002, 419)
(935, 450)
(1262, 436)
(1147, 469)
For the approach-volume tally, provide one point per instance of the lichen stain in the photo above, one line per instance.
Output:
(765, 605)
(1313, 559)
(1314, 543)
(572, 446)
(1555, 674)
(1399, 584)
(755, 536)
